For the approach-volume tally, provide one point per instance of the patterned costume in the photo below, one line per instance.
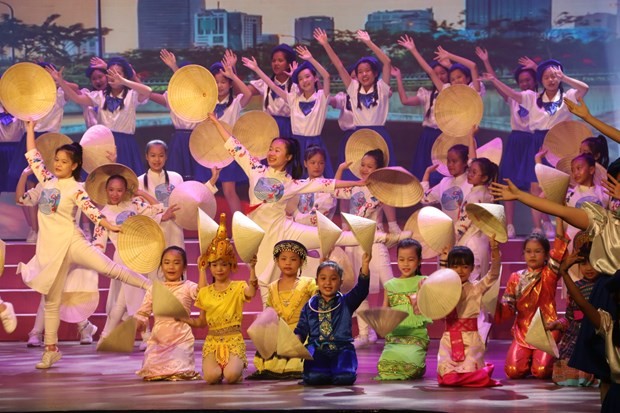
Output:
(526, 291)
(169, 353)
(404, 353)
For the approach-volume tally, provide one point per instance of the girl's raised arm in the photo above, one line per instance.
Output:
(408, 43)
(383, 58)
(321, 37)
(443, 54)
(304, 53)
(253, 65)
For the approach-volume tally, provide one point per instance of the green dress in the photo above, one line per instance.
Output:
(404, 354)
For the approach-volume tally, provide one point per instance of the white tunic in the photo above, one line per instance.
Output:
(374, 115)
(345, 119)
(519, 116)
(276, 106)
(124, 120)
(177, 122)
(53, 120)
(312, 123)
(89, 112)
(232, 112)
(12, 132)
(425, 97)
(450, 192)
(540, 119)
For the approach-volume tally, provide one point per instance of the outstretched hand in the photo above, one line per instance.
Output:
(612, 188)
(482, 54)
(502, 192)
(579, 109)
(321, 36)
(407, 42)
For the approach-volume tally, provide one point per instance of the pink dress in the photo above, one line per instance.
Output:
(169, 353)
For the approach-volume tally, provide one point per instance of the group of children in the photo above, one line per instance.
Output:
(284, 204)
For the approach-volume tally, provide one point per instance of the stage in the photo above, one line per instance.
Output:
(88, 381)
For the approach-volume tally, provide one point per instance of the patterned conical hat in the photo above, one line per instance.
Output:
(247, 236)
(539, 337)
(433, 229)
(192, 93)
(165, 304)
(363, 229)
(553, 183)
(328, 233)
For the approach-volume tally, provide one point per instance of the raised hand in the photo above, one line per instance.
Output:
(557, 71)
(250, 63)
(579, 109)
(229, 57)
(98, 63)
(570, 260)
(482, 54)
(488, 77)
(293, 67)
(441, 54)
(611, 187)
(395, 72)
(169, 214)
(56, 74)
(303, 52)
(406, 42)
(168, 58)
(363, 36)
(527, 63)
(114, 77)
(503, 192)
(320, 36)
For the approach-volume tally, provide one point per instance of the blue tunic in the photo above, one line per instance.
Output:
(330, 337)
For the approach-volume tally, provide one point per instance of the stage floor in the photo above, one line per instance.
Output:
(88, 381)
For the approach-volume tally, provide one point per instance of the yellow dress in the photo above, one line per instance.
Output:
(224, 310)
(288, 305)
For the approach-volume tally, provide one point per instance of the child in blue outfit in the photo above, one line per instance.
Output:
(325, 321)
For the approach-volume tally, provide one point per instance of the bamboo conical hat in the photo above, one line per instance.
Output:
(48, 143)
(457, 109)
(141, 243)
(395, 186)
(206, 146)
(207, 229)
(121, 339)
(247, 236)
(439, 294)
(96, 142)
(27, 91)
(348, 274)
(553, 183)
(255, 130)
(539, 337)
(433, 229)
(440, 148)
(328, 233)
(188, 196)
(383, 319)
(192, 93)
(96, 180)
(360, 142)
(490, 218)
(165, 304)
(492, 150)
(264, 332)
(289, 345)
(363, 229)
(564, 139)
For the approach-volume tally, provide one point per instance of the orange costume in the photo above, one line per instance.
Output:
(526, 291)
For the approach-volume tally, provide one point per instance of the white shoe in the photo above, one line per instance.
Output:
(32, 236)
(361, 342)
(9, 320)
(48, 359)
(372, 336)
(87, 333)
(549, 230)
(35, 339)
(510, 230)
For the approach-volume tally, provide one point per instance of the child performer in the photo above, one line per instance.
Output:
(117, 103)
(282, 57)
(526, 291)
(404, 353)
(325, 321)
(570, 324)
(60, 243)
(169, 352)
(364, 204)
(123, 298)
(307, 103)
(438, 73)
(221, 305)
(460, 360)
(287, 296)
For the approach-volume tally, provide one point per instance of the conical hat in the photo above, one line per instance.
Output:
(141, 243)
(206, 146)
(441, 146)
(439, 294)
(192, 93)
(489, 298)
(48, 143)
(492, 150)
(207, 229)
(383, 319)
(433, 229)
(537, 336)
(247, 236)
(96, 181)
(348, 274)
(96, 142)
(360, 142)
(165, 304)
(289, 345)
(564, 165)
(395, 186)
(490, 218)
(121, 339)
(264, 332)
(363, 229)
(27, 91)
(2, 256)
(328, 233)
(188, 196)
(457, 109)
(553, 183)
(564, 140)
(255, 130)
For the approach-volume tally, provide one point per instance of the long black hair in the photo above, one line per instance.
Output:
(74, 150)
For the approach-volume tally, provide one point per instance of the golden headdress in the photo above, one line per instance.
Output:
(220, 247)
